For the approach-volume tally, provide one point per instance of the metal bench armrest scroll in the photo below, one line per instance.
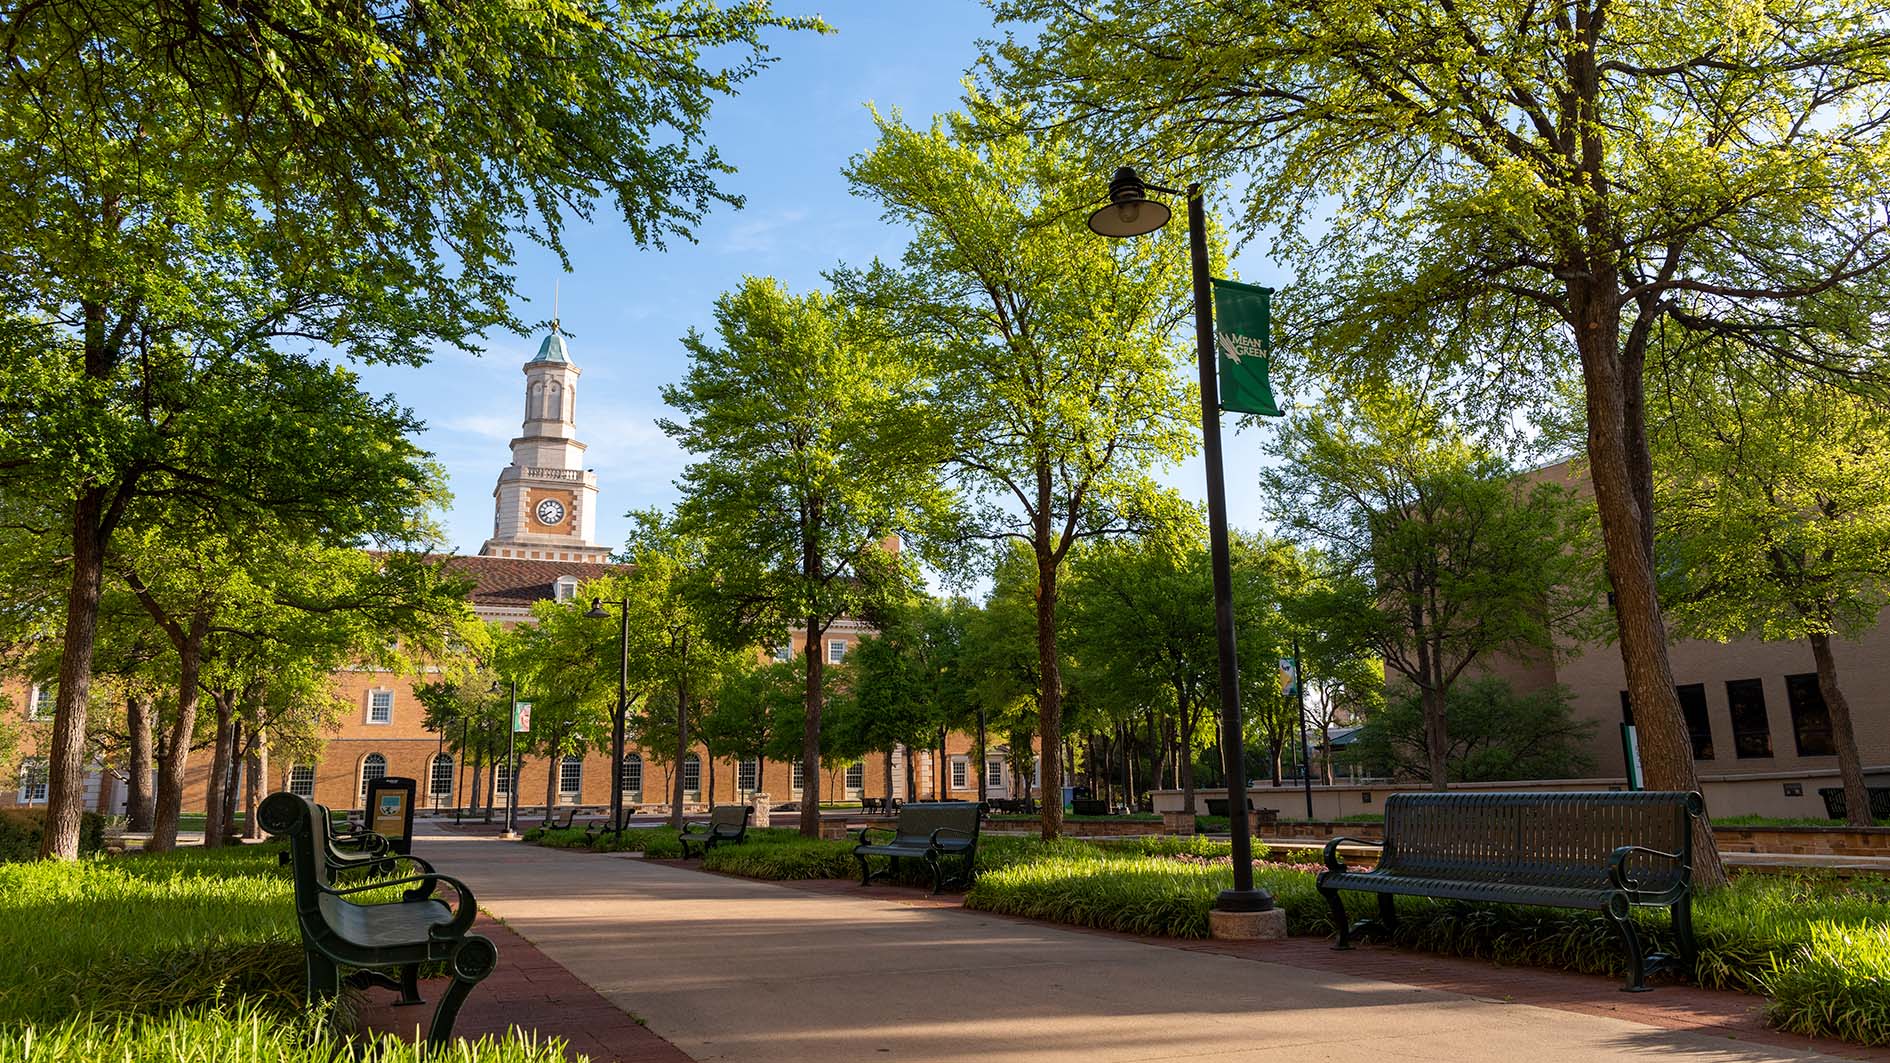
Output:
(1333, 863)
(1618, 869)
(957, 831)
(883, 830)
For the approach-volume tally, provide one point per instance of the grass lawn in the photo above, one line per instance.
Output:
(188, 956)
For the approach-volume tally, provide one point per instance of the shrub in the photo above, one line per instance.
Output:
(1836, 984)
(22, 828)
(1132, 894)
(801, 858)
(243, 1034)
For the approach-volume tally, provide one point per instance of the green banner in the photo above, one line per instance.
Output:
(1243, 337)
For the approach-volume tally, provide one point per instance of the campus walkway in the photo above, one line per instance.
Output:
(728, 969)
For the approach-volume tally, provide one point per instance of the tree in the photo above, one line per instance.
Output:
(1053, 351)
(1495, 734)
(1774, 520)
(811, 452)
(1442, 556)
(209, 182)
(909, 682)
(1506, 190)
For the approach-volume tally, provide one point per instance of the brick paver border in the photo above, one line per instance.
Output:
(534, 993)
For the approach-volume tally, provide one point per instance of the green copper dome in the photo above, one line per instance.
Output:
(553, 350)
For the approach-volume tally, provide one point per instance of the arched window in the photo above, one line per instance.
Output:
(691, 773)
(502, 778)
(633, 774)
(856, 778)
(302, 780)
(373, 766)
(570, 777)
(441, 775)
(747, 775)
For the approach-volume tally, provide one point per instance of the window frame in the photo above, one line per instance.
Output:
(433, 775)
(691, 760)
(1743, 734)
(797, 777)
(623, 779)
(373, 695)
(836, 651)
(848, 786)
(35, 781)
(1798, 704)
(960, 773)
(569, 765)
(368, 759)
(994, 773)
(39, 698)
(295, 774)
(747, 770)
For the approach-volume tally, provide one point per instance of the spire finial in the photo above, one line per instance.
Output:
(556, 285)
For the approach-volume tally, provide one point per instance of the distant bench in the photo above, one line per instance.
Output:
(727, 823)
(1606, 852)
(926, 830)
(400, 936)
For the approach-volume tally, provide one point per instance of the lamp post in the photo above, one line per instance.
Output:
(597, 612)
(1130, 212)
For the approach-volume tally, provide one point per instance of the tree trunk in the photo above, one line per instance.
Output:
(552, 770)
(492, 782)
(472, 794)
(682, 741)
(258, 771)
(216, 786)
(811, 699)
(170, 774)
(1186, 711)
(233, 781)
(1050, 694)
(912, 774)
(889, 778)
(1843, 735)
(1436, 738)
(65, 760)
(139, 800)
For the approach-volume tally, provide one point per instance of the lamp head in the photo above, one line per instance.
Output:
(597, 610)
(1129, 211)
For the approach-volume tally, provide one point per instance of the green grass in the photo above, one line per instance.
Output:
(242, 1033)
(147, 933)
(1775, 821)
(655, 843)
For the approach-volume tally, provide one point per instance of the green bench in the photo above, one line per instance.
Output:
(931, 831)
(399, 936)
(1608, 852)
(727, 824)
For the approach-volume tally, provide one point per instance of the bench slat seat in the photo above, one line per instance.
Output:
(1608, 852)
(372, 938)
(727, 824)
(931, 831)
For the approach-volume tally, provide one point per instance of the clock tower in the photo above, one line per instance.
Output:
(544, 506)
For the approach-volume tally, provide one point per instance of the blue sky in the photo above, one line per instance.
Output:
(789, 133)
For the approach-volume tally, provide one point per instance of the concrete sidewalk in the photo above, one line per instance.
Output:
(733, 970)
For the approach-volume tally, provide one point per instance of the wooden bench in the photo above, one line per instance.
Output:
(929, 831)
(727, 823)
(1608, 852)
(399, 936)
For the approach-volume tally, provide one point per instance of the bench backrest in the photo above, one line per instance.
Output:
(918, 819)
(1551, 838)
(729, 819)
(295, 818)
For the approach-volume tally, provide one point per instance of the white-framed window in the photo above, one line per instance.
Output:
(692, 774)
(302, 780)
(1036, 773)
(856, 779)
(373, 766)
(993, 772)
(633, 775)
(961, 774)
(502, 778)
(784, 652)
(747, 775)
(33, 781)
(836, 651)
(40, 701)
(570, 777)
(796, 777)
(565, 588)
(380, 706)
(440, 775)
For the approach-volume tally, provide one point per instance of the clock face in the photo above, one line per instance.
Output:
(551, 511)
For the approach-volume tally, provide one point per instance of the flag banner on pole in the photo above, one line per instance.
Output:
(1289, 676)
(521, 716)
(1243, 339)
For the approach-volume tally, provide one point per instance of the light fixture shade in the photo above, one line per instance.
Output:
(1129, 211)
(1130, 217)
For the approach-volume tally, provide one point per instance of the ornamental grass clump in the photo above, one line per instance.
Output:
(1835, 984)
(801, 858)
(245, 1033)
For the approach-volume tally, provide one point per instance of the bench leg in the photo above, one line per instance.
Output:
(1339, 918)
(1623, 921)
(1387, 914)
(471, 961)
(324, 978)
(931, 862)
(1683, 931)
(409, 986)
(865, 876)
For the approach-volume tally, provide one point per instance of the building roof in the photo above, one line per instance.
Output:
(512, 581)
(553, 349)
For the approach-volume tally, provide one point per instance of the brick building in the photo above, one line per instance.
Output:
(542, 548)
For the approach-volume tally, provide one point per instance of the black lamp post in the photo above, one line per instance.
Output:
(1130, 212)
(597, 612)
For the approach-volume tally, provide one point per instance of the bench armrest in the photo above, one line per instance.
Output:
(884, 830)
(1618, 870)
(1332, 851)
(952, 830)
(464, 913)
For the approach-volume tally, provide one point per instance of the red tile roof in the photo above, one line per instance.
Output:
(511, 581)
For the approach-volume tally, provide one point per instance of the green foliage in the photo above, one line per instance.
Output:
(1834, 985)
(245, 1033)
(802, 858)
(145, 934)
(21, 828)
(1494, 734)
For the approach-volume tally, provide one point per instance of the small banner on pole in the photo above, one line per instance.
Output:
(1289, 676)
(1243, 338)
(521, 716)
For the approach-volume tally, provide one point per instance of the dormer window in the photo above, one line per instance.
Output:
(565, 588)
